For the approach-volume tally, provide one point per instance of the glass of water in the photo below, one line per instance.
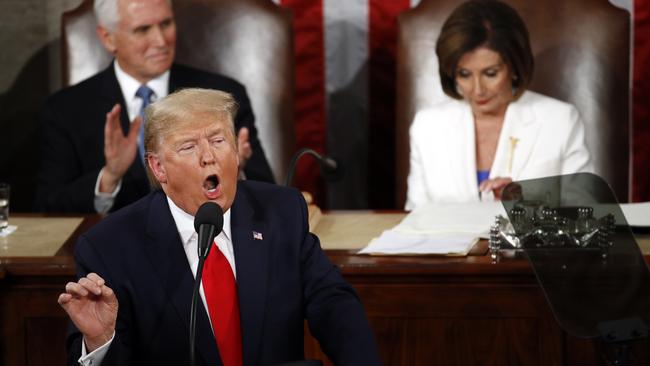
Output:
(4, 206)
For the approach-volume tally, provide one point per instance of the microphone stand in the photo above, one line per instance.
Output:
(195, 302)
(209, 232)
(330, 168)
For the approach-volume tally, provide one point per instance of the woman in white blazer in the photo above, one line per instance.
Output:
(493, 131)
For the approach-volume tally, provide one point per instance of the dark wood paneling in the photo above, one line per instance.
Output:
(423, 310)
(33, 325)
(44, 346)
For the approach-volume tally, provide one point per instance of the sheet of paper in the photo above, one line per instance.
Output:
(473, 217)
(395, 242)
(8, 230)
(637, 214)
(447, 229)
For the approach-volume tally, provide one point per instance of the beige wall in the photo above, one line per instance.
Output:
(29, 72)
(28, 27)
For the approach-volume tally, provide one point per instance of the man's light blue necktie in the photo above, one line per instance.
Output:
(145, 93)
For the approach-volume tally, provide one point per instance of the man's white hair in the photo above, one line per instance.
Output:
(107, 14)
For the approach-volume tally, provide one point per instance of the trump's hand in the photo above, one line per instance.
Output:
(495, 185)
(119, 150)
(92, 307)
(243, 147)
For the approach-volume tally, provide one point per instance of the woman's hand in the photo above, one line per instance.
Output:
(495, 185)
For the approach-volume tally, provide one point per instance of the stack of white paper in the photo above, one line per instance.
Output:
(7, 230)
(634, 214)
(395, 242)
(637, 214)
(453, 228)
(446, 229)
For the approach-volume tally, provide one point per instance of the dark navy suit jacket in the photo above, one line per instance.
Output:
(72, 143)
(282, 279)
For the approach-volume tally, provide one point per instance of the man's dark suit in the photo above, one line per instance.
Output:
(72, 141)
(281, 279)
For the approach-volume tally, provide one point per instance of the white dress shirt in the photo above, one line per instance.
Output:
(185, 226)
(129, 86)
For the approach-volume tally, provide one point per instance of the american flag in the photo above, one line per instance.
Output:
(257, 236)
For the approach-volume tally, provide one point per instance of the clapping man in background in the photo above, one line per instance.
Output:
(92, 151)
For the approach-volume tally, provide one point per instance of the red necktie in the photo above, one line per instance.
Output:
(223, 305)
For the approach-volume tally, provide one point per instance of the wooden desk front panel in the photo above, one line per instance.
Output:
(445, 311)
(462, 311)
(424, 311)
(33, 325)
(461, 324)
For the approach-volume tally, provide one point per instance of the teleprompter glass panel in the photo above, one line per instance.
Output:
(582, 251)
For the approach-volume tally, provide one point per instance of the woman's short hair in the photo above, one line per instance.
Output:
(180, 109)
(488, 23)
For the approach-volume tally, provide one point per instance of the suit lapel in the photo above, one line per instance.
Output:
(167, 256)
(112, 92)
(251, 260)
(517, 139)
(176, 80)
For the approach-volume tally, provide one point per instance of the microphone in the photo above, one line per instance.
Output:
(331, 169)
(208, 223)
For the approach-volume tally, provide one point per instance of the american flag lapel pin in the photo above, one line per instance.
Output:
(257, 236)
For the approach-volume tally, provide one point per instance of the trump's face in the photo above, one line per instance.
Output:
(144, 39)
(198, 163)
(485, 82)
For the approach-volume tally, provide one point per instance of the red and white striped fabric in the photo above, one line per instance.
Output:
(641, 101)
(345, 95)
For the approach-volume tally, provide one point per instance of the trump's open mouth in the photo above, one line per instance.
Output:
(211, 182)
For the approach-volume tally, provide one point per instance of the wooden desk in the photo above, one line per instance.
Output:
(429, 310)
(423, 310)
(32, 325)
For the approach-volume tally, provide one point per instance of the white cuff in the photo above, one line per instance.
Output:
(104, 201)
(95, 357)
